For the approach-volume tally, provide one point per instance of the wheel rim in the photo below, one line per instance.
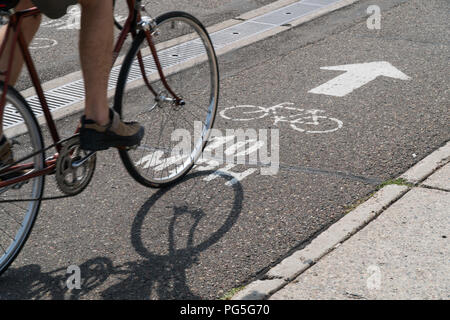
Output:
(17, 218)
(175, 135)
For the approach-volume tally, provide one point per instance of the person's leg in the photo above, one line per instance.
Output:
(96, 47)
(101, 128)
(29, 28)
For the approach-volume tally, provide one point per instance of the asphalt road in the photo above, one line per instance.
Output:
(199, 239)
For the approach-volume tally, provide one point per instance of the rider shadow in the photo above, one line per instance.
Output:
(195, 221)
(194, 225)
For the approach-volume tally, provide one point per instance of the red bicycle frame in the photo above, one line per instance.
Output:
(14, 27)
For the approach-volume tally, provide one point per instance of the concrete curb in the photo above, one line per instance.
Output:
(291, 267)
(294, 265)
(428, 165)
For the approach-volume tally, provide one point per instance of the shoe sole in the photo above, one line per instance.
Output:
(92, 140)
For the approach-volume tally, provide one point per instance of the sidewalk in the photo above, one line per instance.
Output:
(393, 246)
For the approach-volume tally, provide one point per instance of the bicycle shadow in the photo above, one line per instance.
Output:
(29, 282)
(193, 226)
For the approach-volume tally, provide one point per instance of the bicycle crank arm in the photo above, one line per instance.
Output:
(82, 161)
(158, 104)
(163, 98)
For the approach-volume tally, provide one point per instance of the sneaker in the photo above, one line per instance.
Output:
(116, 134)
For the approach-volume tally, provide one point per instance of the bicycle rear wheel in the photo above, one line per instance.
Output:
(176, 134)
(17, 217)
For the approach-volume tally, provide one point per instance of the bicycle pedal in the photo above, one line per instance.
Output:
(128, 148)
(134, 147)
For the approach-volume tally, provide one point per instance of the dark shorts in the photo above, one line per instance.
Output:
(54, 9)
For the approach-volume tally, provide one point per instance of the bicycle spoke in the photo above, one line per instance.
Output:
(14, 218)
(4, 232)
(190, 70)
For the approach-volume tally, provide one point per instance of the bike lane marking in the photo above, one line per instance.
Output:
(356, 76)
(307, 121)
(42, 43)
(225, 152)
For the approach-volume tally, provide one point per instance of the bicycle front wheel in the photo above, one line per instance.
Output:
(175, 133)
(19, 202)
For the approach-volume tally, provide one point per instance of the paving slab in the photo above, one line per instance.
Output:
(440, 179)
(403, 254)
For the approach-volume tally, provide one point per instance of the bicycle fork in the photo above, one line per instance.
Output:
(149, 27)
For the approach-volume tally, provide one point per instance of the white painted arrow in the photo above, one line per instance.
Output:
(357, 75)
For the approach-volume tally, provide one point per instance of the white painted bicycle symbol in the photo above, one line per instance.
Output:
(302, 120)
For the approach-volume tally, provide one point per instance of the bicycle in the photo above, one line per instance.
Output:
(158, 67)
(302, 120)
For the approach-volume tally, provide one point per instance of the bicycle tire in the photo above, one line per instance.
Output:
(29, 127)
(190, 76)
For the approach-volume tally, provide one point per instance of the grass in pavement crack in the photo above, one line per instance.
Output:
(398, 182)
(231, 293)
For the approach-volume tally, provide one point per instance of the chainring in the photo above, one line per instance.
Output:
(70, 180)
